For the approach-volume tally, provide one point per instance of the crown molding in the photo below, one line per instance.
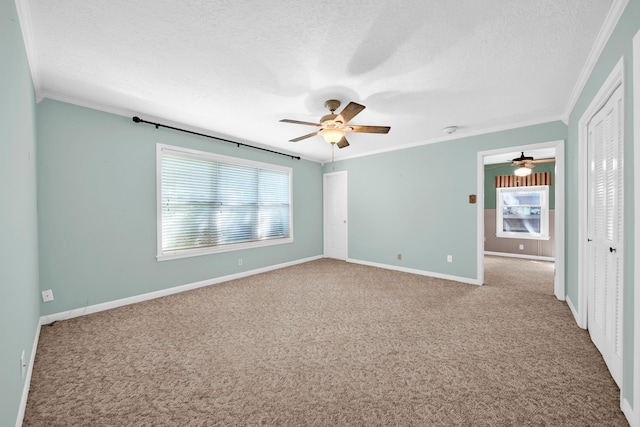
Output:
(79, 102)
(126, 112)
(609, 24)
(26, 27)
(458, 135)
(129, 113)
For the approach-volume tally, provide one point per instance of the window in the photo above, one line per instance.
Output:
(523, 212)
(209, 203)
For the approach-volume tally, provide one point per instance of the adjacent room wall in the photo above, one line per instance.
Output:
(618, 46)
(531, 247)
(19, 308)
(97, 209)
(416, 201)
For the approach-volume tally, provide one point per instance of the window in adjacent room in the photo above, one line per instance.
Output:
(209, 203)
(523, 212)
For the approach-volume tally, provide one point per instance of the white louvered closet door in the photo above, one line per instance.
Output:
(606, 227)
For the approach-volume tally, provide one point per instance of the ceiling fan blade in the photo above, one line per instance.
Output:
(343, 143)
(298, 122)
(300, 138)
(370, 129)
(544, 160)
(351, 110)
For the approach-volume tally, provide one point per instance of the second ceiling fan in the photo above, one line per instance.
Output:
(333, 127)
(526, 163)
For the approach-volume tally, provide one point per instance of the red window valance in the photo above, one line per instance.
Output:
(540, 178)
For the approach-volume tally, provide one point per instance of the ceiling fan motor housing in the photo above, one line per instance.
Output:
(522, 158)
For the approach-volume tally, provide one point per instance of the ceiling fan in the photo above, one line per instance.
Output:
(333, 127)
(526, 163)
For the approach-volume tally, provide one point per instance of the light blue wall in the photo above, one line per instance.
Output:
(415, 201)
(619, 45)
(97, 209)
(19, 309)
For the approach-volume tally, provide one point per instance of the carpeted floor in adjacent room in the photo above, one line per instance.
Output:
(329, 343)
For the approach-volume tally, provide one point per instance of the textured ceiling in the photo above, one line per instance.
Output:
(234, 68)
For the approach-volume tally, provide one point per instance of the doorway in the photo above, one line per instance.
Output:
(554, 148)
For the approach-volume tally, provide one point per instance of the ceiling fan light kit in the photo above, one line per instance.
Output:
(333, 127)
(332, 135)
(522, 171)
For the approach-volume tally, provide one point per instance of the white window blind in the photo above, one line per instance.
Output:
(210, 203)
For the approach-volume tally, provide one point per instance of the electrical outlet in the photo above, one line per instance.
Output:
(47, 295)
(239, 261)
(522, 247)
(449, 258)
(23, 365)
(399, 257)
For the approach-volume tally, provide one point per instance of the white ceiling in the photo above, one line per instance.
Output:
(235, 68)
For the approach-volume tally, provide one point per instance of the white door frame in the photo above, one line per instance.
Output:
(558, 285)
(633, 415)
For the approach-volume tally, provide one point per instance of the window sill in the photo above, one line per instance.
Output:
(188, 253)
(522, 236)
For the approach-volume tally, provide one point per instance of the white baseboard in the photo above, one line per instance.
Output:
(632, 417)
(82, 311)
(415, 271)
(523, 256)
(27, 380)
(576, 315)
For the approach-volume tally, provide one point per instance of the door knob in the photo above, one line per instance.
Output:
(612, 250)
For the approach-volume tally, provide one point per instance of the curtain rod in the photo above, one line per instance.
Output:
(157, 125)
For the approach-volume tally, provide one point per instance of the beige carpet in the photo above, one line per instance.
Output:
(330, 343)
